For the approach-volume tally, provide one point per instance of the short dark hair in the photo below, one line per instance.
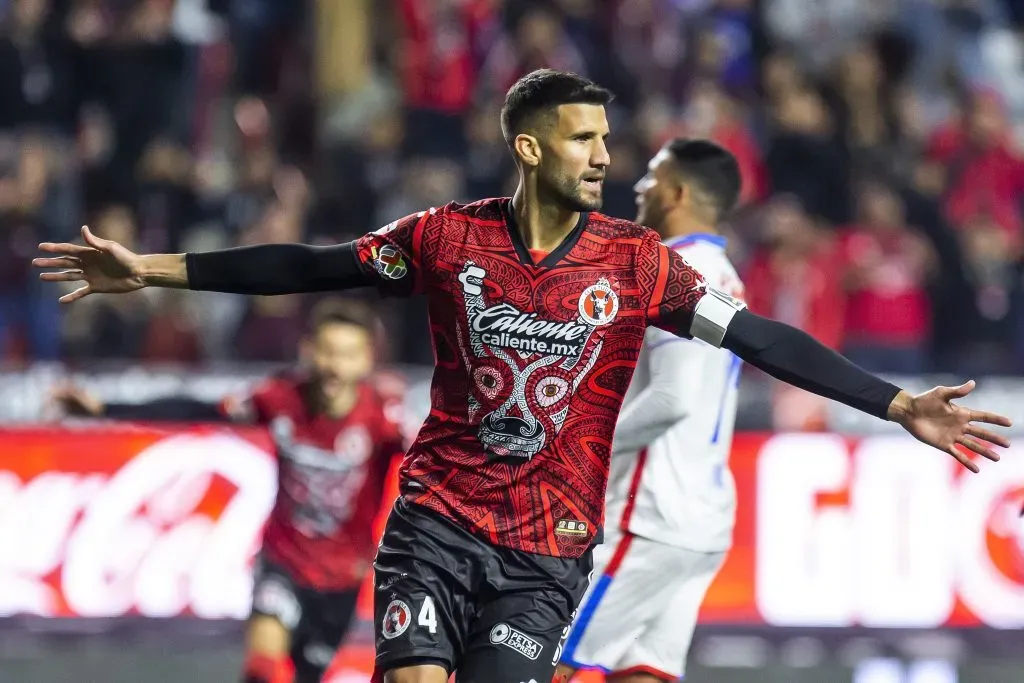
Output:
(540, 92)
(711, 169)
(338, 311)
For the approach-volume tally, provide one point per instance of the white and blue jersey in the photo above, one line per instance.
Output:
(671, 501)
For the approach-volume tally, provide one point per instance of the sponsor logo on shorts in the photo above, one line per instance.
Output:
(503, 634)
(275, 598)
(397, 618)
(570, 527)
(318, 654)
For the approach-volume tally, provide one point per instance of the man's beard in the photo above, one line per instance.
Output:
(569, 193)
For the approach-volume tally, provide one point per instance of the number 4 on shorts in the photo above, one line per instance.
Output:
(428, 616)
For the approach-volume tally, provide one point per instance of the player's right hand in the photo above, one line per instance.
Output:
(75, 401)
(103, 265)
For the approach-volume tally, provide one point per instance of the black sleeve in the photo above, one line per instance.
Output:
(797, 358)
(276, 269)
(167, 410)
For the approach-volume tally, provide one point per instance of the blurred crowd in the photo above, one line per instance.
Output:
(879, 142)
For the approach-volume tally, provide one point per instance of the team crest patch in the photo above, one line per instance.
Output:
(389, 262)
(397, 618)
(353, 445)
(599, 303)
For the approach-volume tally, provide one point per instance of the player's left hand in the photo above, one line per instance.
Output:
(934, 419)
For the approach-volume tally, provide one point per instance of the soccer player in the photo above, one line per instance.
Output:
(671, 501)
(538, 306)
(335, 434)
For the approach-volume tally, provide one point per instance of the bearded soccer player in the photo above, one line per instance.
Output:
(335, 432)
(538, 306)
(671, 501)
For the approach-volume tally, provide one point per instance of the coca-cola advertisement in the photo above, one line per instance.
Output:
(111, 520)
(103, 522)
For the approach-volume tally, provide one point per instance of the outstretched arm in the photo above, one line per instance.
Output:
(685, 305)
(167, 410)
(75, 401)
(276, 269)
(104, 266)
(796, 358)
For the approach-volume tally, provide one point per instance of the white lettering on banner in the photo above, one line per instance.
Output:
(804, 560)
(38, 538)
(140, 541)
(104, 574)
(911, 539)
(904, 500)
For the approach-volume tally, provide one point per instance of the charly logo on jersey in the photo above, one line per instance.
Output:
(397, 618)
(514, 639)
(525, 368)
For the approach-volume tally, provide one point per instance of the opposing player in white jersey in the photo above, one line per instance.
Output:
(671, 501)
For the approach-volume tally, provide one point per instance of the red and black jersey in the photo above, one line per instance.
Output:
(532, 362)
(331, 478)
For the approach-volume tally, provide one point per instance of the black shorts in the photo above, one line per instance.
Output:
(316, 620)
(492, 614)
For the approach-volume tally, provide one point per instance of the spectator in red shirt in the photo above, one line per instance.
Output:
(539, 40)
(887, 268)
(979, 168)
(709, 113)
(792, 278)
(440, 51)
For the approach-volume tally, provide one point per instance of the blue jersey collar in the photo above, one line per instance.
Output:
(707, 238)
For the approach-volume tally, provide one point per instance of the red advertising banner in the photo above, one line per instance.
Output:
(111, 520)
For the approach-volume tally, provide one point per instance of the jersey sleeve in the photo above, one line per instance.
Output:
(391, 255)
(670, 396)
(681, 300)
(256, 406)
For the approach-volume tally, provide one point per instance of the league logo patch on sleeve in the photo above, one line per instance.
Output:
(389, 262)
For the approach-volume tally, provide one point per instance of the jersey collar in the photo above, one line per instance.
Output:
(697, 237)
(555, 256)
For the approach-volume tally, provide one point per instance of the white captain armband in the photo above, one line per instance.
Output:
(712, 316)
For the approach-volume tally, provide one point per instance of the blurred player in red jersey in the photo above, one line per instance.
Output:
(335, 433)
(538, 308)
